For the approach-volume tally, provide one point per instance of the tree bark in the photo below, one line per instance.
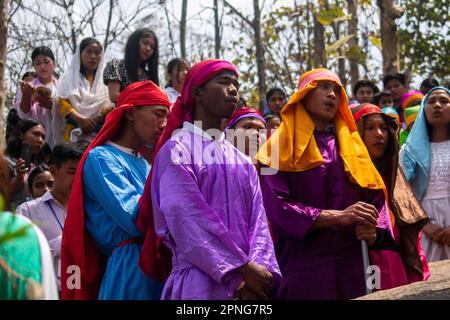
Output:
(260, 61)
(352, 6)
(3, 52)
(310, 31)
(320, 58)
(108, 25)
(183, 29)
(389, 39)
(216, 30)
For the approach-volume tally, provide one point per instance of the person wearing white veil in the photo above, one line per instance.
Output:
(81, 97)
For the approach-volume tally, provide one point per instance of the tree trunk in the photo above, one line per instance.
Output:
(341, 51)
(389, 38)
(216, 30)
(3, 52)
(260, 61)
(183, 29)
(320, 58)
(310, 31)
(108, 25)
(298, 38)
(353, 42)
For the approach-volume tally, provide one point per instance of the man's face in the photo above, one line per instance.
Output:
(322, 103)
(364, 94)
(396, 88)
(148, 122)
(64, 175)
(219, 97)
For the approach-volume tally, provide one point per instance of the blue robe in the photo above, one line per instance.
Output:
(113, 181)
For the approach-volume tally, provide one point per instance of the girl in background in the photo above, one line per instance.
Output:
(177, 70)
(140, 63)
(35, 99)
(82, 98)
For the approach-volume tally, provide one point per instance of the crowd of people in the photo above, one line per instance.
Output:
(116, 188)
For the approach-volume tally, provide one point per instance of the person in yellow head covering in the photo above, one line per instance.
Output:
(322, 193)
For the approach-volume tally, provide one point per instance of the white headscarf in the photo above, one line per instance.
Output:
(74, 87)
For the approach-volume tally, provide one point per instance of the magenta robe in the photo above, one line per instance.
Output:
(210, 215)
(323, 263)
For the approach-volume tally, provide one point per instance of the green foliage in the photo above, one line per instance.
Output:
(333, 15)
(339, 43)
(427, 49)
(355, 53)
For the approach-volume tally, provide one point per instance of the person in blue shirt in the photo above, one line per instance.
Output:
(109, 187)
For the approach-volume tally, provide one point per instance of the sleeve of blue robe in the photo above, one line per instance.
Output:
(105, 177)
(196, 229)
(287, 217)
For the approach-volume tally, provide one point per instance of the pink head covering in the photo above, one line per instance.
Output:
(155, 258)
(410, 96)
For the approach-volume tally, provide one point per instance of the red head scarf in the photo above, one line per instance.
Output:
(78, 247)
(155, 258)
(365, 109)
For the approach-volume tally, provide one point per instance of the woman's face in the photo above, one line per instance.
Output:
(91, 57)
(36, 137)
(375, 135)
(178, 75)
(251, 132)
(276, 102)
(437, 109)
(146, 48)
(44, 66)
(42, 182)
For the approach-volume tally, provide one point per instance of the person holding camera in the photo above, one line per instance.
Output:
(24, 150)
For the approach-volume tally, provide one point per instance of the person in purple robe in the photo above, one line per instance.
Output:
(325, 196)
(206, 198)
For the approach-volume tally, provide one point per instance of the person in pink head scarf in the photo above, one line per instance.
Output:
(204, 198)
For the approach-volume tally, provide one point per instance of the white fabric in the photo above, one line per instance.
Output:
(86, 100)
(172, 94)
(439, 212)
(48, 280)
(39, 212)
(439, 180)
(124, 149)
(436, 201)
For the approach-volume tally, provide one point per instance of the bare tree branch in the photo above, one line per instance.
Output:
(226, 3)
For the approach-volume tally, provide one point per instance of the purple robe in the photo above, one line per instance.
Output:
(209, 214)
(323, 263)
